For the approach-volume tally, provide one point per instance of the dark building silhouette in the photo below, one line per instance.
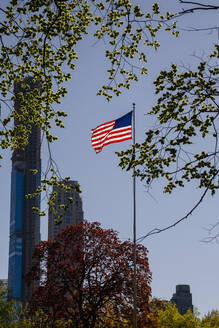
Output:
(183, 298)
(24, 223)
(72, 215)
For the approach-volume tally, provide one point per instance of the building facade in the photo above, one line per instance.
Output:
(183, 299)
(24, 223)
(72, 215)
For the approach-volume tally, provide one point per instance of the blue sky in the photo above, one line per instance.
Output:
(176, 256)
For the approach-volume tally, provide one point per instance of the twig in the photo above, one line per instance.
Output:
(159, 230)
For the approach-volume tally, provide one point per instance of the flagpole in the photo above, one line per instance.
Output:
(134, 231)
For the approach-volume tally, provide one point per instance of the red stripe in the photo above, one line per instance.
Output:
(112, 131)
(98, 147)
(110, 142)
(117, 139)
(111, 134)
(120, 131)
(104, 134)
(102, 126)
(113, 141)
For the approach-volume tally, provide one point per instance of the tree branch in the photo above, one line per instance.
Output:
(159, 230)
(211, 238)
(200, 6)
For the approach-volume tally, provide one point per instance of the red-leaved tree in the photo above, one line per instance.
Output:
(87, 270)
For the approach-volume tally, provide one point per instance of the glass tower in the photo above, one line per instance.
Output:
(24, 223)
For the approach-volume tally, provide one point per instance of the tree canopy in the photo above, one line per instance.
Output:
(169, 317)
(15, 315)
(39, 39)
(182, 145)
(211, 319)
(187, 113)
(38, 43)
(86, 274)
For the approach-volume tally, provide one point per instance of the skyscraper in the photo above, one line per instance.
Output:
(24, 223)
(183, 299)
(73, 214)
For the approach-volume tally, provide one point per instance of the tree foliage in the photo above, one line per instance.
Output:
(38, 39)
(187, 113)
(211, 319)
(110, 320)
(169, 317)
(182, 146)
(15, 315)
(85, 273)
(38, 43)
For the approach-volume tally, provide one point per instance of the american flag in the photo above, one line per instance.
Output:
(113, 131)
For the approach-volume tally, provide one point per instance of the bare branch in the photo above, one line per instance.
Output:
(200, 6)
(211, 237)
(195, 29)
(159, 230)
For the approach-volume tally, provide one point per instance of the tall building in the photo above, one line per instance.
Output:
(24, 223)
(72, 215)
(183, 299)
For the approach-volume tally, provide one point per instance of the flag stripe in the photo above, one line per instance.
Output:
(111, 132)
(102, 126)
(112, 135)
(103, 132)
(119, 138)
(112, 138)
(98, 149)
(116, 131)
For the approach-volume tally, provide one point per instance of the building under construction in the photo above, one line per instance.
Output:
(74, 212)
(24, 223)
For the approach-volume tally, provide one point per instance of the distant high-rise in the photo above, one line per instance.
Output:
(183, 299)
(72, 215)
(24, 223)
